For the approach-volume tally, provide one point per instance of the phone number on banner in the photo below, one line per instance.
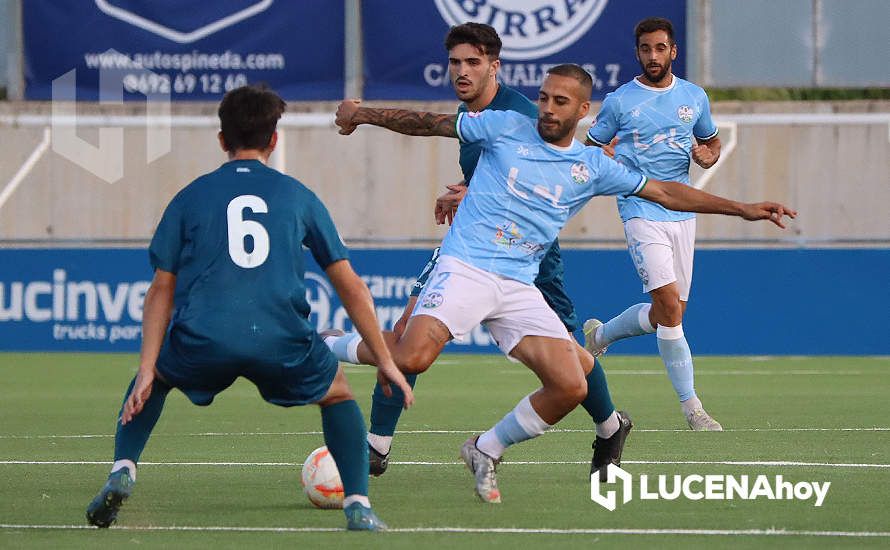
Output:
(183, 83)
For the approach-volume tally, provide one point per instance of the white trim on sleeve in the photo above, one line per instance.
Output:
(460, 136)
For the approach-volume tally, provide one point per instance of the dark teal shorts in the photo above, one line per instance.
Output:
(303, 379)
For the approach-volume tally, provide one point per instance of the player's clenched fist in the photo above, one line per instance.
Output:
(703, 156)
(345, 113)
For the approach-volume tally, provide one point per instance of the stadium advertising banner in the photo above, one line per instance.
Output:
(91, 299)
(405, 56)
(183, 49)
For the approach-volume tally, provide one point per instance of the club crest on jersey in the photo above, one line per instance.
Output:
(685, 113)
(580, 173)
(474, 114)
(529, 29)
(432, 300)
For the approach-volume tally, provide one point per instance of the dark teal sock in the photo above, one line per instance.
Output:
(385, 411)
(130, 440)
(345, 436)
(598, 401)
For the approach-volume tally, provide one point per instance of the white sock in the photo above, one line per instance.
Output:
(125, 463)
(608, 427)
(381, 443)
(345, 347)
(645, 323)
(361, 499)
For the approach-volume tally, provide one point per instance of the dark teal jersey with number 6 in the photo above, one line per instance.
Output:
(234, 240)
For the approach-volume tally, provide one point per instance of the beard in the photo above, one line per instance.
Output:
(551, 133)
(658, 76)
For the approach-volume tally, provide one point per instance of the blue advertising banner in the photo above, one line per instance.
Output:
(536, 34)
(743, 301)
(183, 49)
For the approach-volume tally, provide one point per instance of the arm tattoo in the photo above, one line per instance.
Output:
(412, 123)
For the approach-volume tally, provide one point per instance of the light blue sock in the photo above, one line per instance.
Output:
(345, 347)
(633, 321)
(520, 424)
(674, 351)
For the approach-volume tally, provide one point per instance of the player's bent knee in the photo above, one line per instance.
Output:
(412, 358)
(413, 363)
(667, 312)
(585, 358)
(570, 391)
(577, 392)
(338, 391)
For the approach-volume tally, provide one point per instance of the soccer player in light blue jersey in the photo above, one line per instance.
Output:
(473, 62)
(229, 266)
(659, 122)
(531, 177)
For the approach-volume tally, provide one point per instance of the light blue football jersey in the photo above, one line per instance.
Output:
(523, 191)
(655, 129)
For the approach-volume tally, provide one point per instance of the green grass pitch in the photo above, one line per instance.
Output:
(228, 475)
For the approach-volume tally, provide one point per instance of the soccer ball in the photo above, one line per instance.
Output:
(321, 480)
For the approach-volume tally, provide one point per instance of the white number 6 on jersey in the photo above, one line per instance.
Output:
(239, 228)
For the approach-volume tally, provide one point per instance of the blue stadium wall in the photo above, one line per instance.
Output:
(775, 302)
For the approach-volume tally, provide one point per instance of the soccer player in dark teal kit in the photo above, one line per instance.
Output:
(473, 60)
(229, 273)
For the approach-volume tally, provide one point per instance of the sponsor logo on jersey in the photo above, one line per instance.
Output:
(507, 235)
(529, 29)
(580, 173)
(685, 113)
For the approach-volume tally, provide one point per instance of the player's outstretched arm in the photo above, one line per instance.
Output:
(156, 312)
(412, 123)
(676, 196)
(359, 305)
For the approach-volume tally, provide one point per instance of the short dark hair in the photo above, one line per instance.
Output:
(482, 36)
(577, 72)
(652, 24)
(248, 116)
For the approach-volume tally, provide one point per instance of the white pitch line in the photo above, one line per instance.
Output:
(441, 432)
(481, 530)
(460, 463)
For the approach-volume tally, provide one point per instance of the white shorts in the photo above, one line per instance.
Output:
(462, 296)
(662, 252)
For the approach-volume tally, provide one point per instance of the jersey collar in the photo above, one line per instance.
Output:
(653, 88)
